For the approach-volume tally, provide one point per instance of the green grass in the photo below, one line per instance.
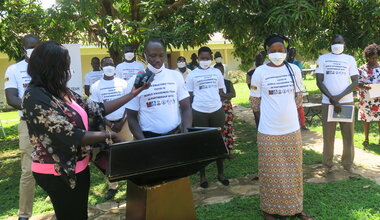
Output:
(9, 115)
(245, 163)
(320, 200)
(336, 200)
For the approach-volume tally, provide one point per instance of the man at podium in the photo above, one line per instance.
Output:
(164, 108)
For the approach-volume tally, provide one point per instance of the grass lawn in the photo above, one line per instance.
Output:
(343, 200)
(242, 98)
(322, 200)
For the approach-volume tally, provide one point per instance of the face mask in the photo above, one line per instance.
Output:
(277, 58)
(109, 70)
(129, 56)
(154, 69)
(218, 60)
(181, 64)
(205, 64)
(337, 48)
(29, 52)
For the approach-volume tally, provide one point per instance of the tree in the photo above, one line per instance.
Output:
(310, 24)
(115, 23)
(17, 18)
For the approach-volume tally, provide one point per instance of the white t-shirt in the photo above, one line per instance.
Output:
(126, 70)
(337, 71)
(185, 74)
(205, 85)
(158, 106)
(278, 110)
(17, 77)
(92, 77)
(107, 90)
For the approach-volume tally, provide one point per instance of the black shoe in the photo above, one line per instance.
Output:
(304, 128)
(110, 194)
(225, 182)
(204, 184)
(23, 218)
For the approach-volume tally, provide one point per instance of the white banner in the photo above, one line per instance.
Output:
(75, 83)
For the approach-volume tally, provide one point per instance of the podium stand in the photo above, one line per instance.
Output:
(168, 201)
(157, 171)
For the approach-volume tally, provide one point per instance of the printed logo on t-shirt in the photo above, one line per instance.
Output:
(253, 87)
(206, 82)
(162, 94)
(278, 85)
(280, 91)
(336, 67)
(129, 73)
(6, 79)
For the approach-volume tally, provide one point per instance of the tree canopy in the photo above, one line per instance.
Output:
(310, 24)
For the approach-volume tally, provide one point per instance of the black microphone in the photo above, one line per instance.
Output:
(143, 77)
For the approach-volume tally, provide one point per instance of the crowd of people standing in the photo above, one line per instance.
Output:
(56, 120)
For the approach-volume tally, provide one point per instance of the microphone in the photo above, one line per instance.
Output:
(143, 77)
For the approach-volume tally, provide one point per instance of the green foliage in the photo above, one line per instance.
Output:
(115, 23)
(309, 24)
(18, 18)
(237, 76)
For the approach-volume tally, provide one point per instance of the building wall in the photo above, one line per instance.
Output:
(87, 53)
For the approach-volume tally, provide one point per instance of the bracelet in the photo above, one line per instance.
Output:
(109, 139)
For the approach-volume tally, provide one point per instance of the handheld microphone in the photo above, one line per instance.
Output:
(143, 77)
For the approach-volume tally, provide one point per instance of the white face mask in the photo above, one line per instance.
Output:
(109, 70)
(129, 56)
(337, 48)
(277, 58)
(205, 64)
(154, 69)
(29, 52)
(181, 64)
(218, 60)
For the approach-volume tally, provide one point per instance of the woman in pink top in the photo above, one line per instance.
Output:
(57, 120)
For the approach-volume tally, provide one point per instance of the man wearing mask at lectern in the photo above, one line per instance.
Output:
(164, 108)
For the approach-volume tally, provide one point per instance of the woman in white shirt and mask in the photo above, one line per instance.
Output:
(276, 91)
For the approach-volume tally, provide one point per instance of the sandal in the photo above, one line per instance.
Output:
(366, 143)
(304, 216)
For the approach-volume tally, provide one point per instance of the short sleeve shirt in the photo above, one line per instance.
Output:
(107, 90)
(158, 106)
(126, 70)
(16, 76)
(337, 71)
(92, 77)
(205, 85)
(276, 88)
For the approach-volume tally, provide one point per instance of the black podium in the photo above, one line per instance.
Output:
(157, 171)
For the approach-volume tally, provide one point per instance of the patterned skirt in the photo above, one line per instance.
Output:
(280, 173)
(228, 124)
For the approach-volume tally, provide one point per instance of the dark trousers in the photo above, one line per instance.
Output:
(69, 204)
(213, 119)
